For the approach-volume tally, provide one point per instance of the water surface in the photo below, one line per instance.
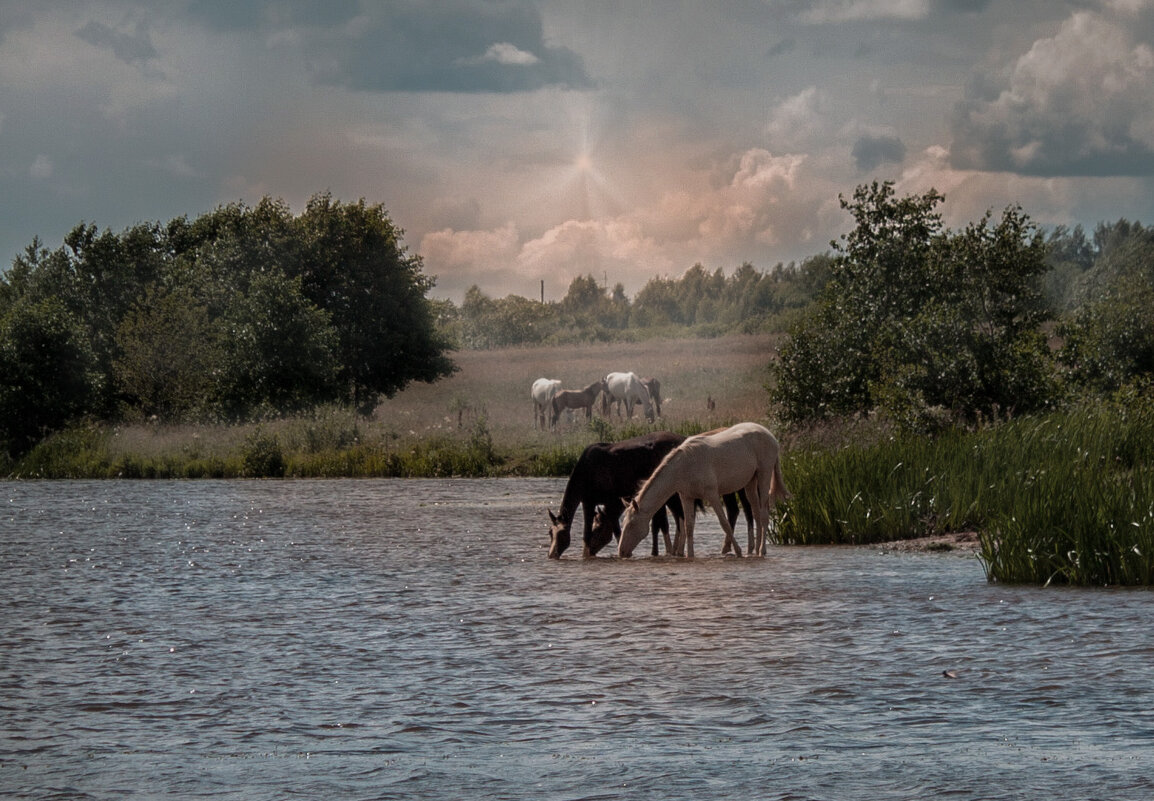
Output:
(409, 639)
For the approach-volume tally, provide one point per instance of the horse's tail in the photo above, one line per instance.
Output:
(777, 489)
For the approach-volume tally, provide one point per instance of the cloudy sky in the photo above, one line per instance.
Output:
(521, 141)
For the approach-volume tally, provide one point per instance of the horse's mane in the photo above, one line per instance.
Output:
(660, 466)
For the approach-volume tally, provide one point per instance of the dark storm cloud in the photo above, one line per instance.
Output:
(410, 46)
(870, 152)
(249, 15)
(131, 48)
(450, 47)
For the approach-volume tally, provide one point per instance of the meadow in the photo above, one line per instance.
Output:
(477, 422)
(1066, 497)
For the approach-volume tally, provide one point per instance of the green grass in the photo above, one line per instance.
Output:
(1062, 498)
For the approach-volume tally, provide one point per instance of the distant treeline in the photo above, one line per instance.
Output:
(699, 302)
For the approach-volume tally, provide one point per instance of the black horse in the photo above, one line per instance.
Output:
(606, 473)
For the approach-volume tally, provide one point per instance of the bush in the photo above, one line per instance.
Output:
(922, 323)
(262, 456)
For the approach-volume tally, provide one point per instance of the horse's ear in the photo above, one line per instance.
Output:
(630, 504)
(553, 518)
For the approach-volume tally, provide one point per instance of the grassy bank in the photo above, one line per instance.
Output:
(1062, 498)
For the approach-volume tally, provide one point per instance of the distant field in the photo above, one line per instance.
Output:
(479, 421)
(732, 370)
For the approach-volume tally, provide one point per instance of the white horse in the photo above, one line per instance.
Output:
(706, 467)
(627, 387)
(542, 394)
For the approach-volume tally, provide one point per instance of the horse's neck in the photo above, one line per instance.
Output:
(570, 501)
(657, 489)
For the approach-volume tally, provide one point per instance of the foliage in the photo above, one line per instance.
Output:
(1109, 340)
(1062, 497)
(707, 304)
(47, 377)
(241, 313)
(921, 322)
(354, 267)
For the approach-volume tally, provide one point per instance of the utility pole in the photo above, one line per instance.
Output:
(542, 291)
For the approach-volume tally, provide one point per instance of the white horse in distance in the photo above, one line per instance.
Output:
(542, 394)
(628, 387)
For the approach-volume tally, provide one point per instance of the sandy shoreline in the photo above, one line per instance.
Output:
(966, 541)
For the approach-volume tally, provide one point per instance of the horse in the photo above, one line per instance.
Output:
(627, 387)
(606, 521)
(653, 387)
(706, 467)
(542, 393)
(577, 399)
(604, 474)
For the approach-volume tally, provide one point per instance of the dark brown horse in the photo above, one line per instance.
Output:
(606, 473)
(577, 399)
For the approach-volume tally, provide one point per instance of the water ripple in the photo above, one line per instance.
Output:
(408, 639)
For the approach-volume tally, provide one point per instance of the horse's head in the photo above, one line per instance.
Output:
(558, 536)
(634, 527)
(603, 530)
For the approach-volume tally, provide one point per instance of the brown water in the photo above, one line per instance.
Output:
(409, 639)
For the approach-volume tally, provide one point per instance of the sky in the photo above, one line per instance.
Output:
(519, 142)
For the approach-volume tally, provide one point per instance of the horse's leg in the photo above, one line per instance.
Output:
(587, 509)
(660, 522)
(755, 491)
(665, 531)
(731, 513)
(674, 504)
(688, 510)
(750, 532)
(719, 509)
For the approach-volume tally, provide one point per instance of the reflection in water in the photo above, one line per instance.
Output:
(409, 639)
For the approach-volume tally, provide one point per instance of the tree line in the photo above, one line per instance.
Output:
(700, 303)
(249, 312)
(240, 313)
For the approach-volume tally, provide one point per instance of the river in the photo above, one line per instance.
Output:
(408, 639)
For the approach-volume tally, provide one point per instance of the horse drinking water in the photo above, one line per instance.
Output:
(706, 467)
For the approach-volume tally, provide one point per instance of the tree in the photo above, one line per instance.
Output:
(917, 320)
(353, 266)
(169, 355)
(47, 375)
(1109, 340)
(277, 353)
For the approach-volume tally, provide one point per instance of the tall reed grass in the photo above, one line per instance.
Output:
(1062, 498)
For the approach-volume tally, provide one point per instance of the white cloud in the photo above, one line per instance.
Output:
(508, 54)
(798, 119)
